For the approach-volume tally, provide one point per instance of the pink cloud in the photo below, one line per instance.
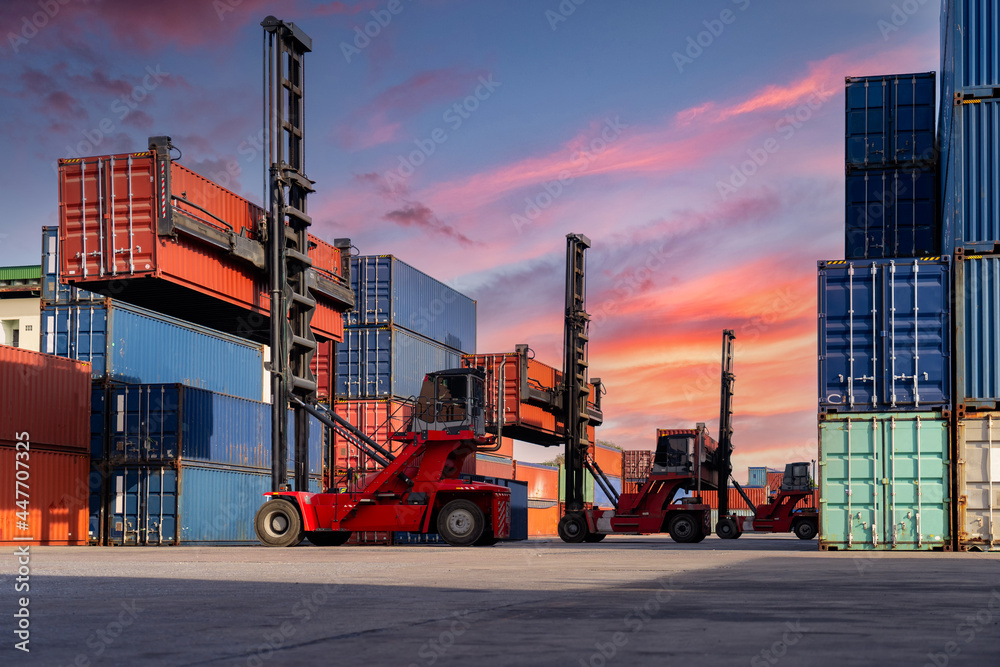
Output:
(347, 9)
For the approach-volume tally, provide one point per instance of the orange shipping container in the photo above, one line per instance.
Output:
(45, 396)
(376, 418)
(129, 216)
(543, 521)
(609, 459)
(488, 465)
(56, 485)
(757, 495)
(543, 481)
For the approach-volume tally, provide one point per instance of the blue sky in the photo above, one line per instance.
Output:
(643, 125)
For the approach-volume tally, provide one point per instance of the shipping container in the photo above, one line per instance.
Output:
(53, 289)
(601, 499)
(977, 331)
(758, 496)
(609, 459)
(543, 518)
(971, 173)
(636, 466)
(189, 504)
(970, 30)
(487, 465)
(193, 243)
(45, 397)
(379, 419)
(56, 506)
(588, 486)
(757, 476)
(977, 493)
(542, 480)
(168, 422)
(890, 119)
(322, 367)
(774, 479)
(884, 334)
(381, 362)
(125, 343)
(892, 213)
(389, 292)
(885, 481)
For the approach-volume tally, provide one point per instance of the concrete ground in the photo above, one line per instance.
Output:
(759, 601)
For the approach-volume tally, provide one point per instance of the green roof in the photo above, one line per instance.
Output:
(20, 272)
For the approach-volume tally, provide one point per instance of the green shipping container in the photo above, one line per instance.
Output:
(588, 486)
(884, 482)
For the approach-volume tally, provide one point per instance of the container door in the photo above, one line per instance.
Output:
(159, 520)
(915, 480)
(128, 489)
(866, 122)
(917, 349)
(849, 451)
(913, 100)
(979, 486)
(850, 362)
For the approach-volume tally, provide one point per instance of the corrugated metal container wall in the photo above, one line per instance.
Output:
(978, 481)
(126, 343)
(543, 518)
(390, 292)
(382, 362)
(774, 480)
(884, 335)
(379, 419)
(322, 367)
(757, 476)
(53, 290)
(973, 174)
(110, 213)
(609, 459)
(485, 465)
(636, 465)
(890, 119)
(757, 494)
(970, 30)
(542, 481)
(588, 486)
(977, 333)
(601, 499)
(885, 481)
(892, 213)
(45, 396)
(57, 510)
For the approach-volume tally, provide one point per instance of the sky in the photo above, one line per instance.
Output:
(698, 144)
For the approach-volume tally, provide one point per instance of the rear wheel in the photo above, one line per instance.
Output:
(278, 524)
(461, 523)
(594, 537)
(684, 529)
(805, 530)
(727, 528)
(573, 528)
(328, 538)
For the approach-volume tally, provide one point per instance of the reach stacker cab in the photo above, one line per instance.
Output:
(418, 489)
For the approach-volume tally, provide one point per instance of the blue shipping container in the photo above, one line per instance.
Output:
(53, 291)
(892, 213)
(890, 120)
(884, 334)
(125, 343)
(392, 293)
(970, 30)
(192, 504)
(167, 422)
(377, 362)
(757, 476)
(601, 499)
(977, 331)
(971, 174)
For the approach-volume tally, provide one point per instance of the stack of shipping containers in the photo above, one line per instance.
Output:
(884, 332)
(543, 497)
(969, 118)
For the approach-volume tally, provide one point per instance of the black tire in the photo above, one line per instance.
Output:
(727, 528)
(805, 530)
(461, 523)
(594, 537)
(328, 538)
(278, 524)
(684, 529)
(573, 528)
(486, 540)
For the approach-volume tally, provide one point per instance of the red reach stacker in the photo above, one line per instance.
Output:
(418, 489)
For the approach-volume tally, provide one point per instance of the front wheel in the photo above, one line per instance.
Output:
(573, 528)
(328, 538)
(805, 530)
(278, 524)
(461, 523)
(727, 528)
(684, 529)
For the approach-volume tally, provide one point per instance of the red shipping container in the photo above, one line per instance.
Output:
(757, 494)
(47, 397)
(322, 368)
(774, 479)
(135, 216)
(57, 484)
(636, 464)
(376, 418)
(543, 481)
(487, 465)
(609, 459)
(543, 521)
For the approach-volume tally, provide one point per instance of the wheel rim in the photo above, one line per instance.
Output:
(278, 524)
(461, 522)
(572, 528)
(684, 528)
